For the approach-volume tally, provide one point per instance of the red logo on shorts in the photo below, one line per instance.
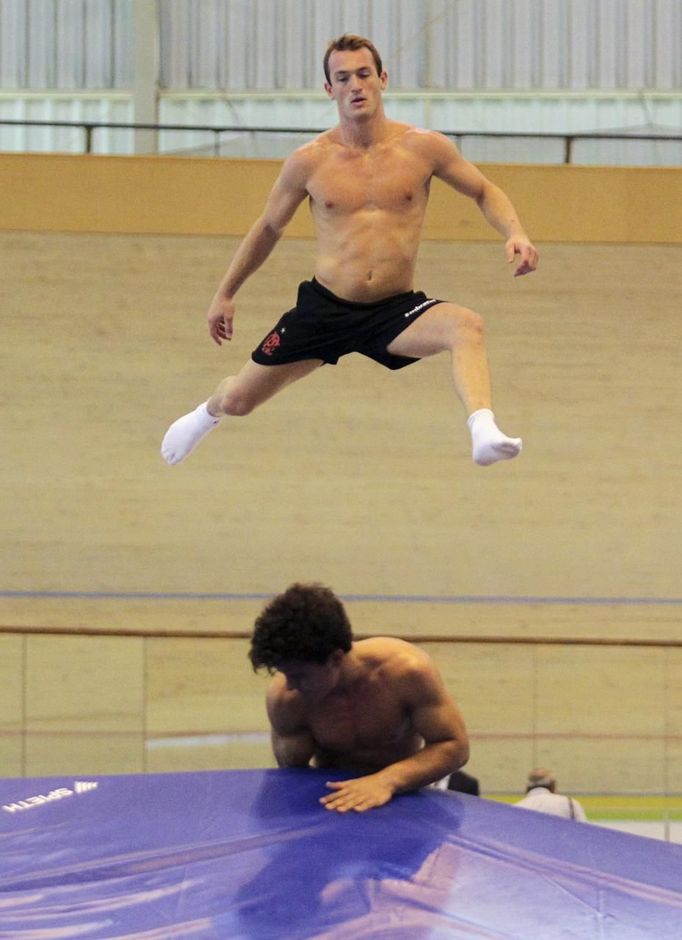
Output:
(271, 344)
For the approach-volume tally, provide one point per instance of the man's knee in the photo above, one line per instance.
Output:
(462, 325)
(237, 407)
(232, 400)
(465, 322)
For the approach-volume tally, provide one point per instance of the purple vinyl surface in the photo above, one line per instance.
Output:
(252, 854)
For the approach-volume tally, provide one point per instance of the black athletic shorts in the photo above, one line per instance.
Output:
(323, 326)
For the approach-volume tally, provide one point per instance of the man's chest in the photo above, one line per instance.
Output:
(344, 186)
(345, 724)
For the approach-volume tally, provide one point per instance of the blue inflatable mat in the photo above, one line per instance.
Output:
(252, 854)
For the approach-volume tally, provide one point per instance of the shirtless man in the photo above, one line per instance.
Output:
(377, 707)
(367, 181)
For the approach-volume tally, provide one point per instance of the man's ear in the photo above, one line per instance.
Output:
(328, 89)
(384, 79)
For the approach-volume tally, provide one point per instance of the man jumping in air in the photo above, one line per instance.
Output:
(367, 181)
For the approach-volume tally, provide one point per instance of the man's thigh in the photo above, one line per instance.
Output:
(433, 332)
(255, 383)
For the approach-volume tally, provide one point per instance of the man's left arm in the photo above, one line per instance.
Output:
(451, 167)
(436, 717)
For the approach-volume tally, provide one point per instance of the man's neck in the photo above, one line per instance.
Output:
(364, 134)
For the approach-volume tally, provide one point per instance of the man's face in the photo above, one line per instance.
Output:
(312, 680)
(355, 85)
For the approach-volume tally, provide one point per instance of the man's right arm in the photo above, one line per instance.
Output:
(292, 750)
(292, 743)
(287, 194)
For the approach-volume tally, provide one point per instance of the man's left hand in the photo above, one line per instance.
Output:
(527, 251)
(357, 795)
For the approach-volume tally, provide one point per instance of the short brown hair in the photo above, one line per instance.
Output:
(349, 42)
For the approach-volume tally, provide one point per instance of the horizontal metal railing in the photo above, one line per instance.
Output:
(89, 128)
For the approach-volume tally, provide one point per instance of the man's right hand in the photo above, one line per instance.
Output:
(220, 317)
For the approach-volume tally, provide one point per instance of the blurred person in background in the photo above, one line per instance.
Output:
(541, 796)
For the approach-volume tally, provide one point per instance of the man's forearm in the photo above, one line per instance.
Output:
(432, 763)
(252, 252)
(499, 211)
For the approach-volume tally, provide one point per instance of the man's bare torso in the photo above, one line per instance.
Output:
(368, 206)
(364, 725)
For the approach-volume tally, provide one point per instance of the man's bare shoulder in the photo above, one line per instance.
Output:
(428, 142)
(403, 669)
(284, 706)
(309, 155)
(396, 129)
(301, 164)
(394, 656)
(431, 149)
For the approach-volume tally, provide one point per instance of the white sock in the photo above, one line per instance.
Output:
(489, 444)
(184, 434)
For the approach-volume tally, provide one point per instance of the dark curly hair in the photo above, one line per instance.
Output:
(350, 43)
(307, 622)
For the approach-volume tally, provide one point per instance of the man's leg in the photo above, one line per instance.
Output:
(236, 395)
(447, 326)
